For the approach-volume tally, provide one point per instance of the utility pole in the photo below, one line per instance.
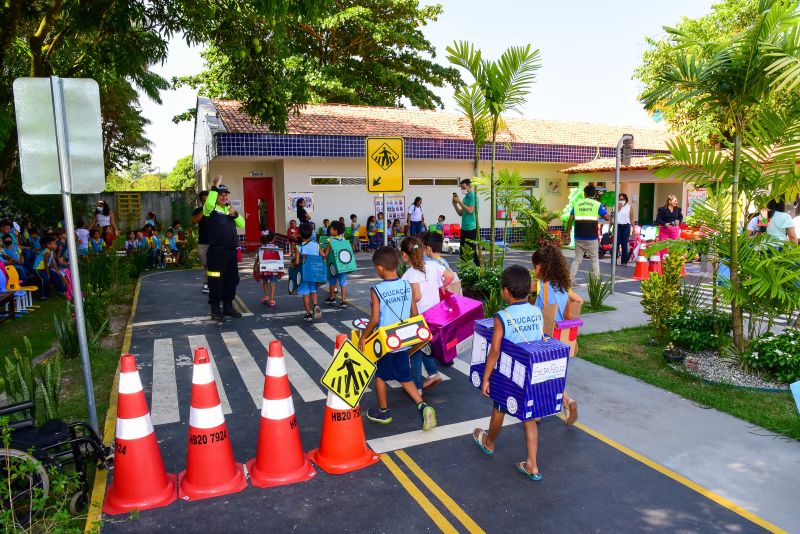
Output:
(624, 149)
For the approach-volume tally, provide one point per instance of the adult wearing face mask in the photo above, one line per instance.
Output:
(469, 225)
(624, 226)
(104, 216)
(223, 269)
(668, 220)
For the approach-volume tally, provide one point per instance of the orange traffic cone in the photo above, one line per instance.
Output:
(210, 467)
(343, 447)
(140, 480)
(641, 272)
(279, 459)
(655, 264)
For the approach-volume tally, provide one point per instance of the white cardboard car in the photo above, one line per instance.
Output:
(451, 246)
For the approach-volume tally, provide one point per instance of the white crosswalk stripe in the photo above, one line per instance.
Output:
(165, 403)
(200, 341)
(306, 387)
(315, 350)
(251, 374)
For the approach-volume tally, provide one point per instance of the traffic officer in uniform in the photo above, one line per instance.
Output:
(585, 215)
(222, 270)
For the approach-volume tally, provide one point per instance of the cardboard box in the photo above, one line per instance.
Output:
(529, 379)
(452, 324)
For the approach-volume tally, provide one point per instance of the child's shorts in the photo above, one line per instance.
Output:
(340, 280)
(394, 366)
(269, 278)
(307, 288)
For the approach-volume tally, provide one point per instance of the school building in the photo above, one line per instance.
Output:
(322, 158)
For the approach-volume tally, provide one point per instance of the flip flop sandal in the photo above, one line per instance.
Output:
(479, 442)
(522, 469)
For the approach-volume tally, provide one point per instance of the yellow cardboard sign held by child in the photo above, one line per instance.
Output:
(412, 333)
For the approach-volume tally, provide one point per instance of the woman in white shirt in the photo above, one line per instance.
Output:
(624, 226)
(415, 218)
(104, 216)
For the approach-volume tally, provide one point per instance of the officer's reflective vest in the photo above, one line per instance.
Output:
(587, 211)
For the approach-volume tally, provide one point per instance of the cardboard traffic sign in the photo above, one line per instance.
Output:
(348, 374)
(385, 164)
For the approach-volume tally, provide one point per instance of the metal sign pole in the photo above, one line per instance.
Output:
(616, 218)
(66, 193)
(385, 225)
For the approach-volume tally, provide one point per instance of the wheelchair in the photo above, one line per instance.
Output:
(35, 450)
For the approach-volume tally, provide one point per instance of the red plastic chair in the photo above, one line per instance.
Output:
(455, 230)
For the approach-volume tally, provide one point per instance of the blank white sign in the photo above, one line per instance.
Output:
(38, 155)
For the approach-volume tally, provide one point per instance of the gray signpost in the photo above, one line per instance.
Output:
(61, 151)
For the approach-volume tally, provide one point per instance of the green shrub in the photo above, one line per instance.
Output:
(660, 293)
(67, 333)
(599, 289)
(699, 329)
(95, 308)
(778, 355)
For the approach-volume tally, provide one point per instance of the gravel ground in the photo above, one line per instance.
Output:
(709, 366)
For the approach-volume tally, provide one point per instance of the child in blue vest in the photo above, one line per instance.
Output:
(354, 227)
(392, 301)
(96, 243)
(336, 230)
(520, 322)
(307, 290)
(172, 243)
(46, 269)
(553, 287)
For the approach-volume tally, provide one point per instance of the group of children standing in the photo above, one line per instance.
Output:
(149, 241)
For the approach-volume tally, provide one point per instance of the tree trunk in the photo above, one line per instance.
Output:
(475, 173)
(491, 194)
(736, 310)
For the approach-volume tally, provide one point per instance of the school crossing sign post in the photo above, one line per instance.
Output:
(384, 167)
(348, 374)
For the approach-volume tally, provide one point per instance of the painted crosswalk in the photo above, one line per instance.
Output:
(241, 356)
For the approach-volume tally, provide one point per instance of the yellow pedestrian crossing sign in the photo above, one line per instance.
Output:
(348, 374)
(385, 164)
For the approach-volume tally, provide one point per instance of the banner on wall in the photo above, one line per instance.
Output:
(395, 208)
(695, 196)
(292, 198)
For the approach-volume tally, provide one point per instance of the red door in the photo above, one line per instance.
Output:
(259, 209)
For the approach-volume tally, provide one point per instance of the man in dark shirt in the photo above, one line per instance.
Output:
(585, 215)
(202, 235)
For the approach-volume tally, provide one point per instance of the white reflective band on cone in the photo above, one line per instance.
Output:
(276, 367)
(135, 428)
(130, 383)
(641, 258)
(206, 417)
(277, 409)
(202, 374)
(336, 403)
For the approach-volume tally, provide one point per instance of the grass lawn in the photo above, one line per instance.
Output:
(628, 352)
(36, 325)
(596, 309)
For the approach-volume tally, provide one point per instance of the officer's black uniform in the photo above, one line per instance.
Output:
(223, 271)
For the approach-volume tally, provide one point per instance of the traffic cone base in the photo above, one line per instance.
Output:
(211, 469)
(279, 456)
(641, 271)
(140, 481)
(343, 447)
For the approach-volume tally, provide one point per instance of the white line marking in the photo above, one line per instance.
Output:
(281, 315)
(306, 387)
(201, 341)
(164, 397)
(315, 350)
(198, 319)
(461, 366)
(252, 376)
(330, 332)
(418, 437)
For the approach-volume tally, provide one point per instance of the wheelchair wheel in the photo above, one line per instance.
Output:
(29, 482)
(78, 502)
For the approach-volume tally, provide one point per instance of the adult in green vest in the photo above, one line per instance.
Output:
(469, 226)
(584, 216)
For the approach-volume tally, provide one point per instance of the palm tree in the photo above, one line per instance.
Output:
(739, 75)
(505, 84)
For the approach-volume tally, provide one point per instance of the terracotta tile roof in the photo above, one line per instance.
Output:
(338, 119)
(609, 164)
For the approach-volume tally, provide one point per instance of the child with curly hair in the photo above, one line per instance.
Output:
(553, 286)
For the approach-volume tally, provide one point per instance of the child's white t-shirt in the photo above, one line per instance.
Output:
(429, 283)
(82, 236)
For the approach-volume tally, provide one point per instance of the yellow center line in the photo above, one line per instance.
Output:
(440, 494)
(101, 475)
(705, 492)
(425, 503)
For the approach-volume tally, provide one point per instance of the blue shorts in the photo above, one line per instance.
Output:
(307, 288)
(269, 278)
(338, 280)
(394, 366)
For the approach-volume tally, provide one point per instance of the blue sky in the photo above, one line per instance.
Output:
(589, 49)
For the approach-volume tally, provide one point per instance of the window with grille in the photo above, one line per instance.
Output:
(519, 374)
(505, 364)
(337, 180)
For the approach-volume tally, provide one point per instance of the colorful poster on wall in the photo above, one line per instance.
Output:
(395, 208)
(553, 187)
(695, 196)
(292, 198)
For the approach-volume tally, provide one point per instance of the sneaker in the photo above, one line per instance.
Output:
(343, 306)
(308, 317)
(330, 300)
(317, 313)
(431, 381)
(205, 288)
(382, 417)
(265, 300)
(428, 415)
